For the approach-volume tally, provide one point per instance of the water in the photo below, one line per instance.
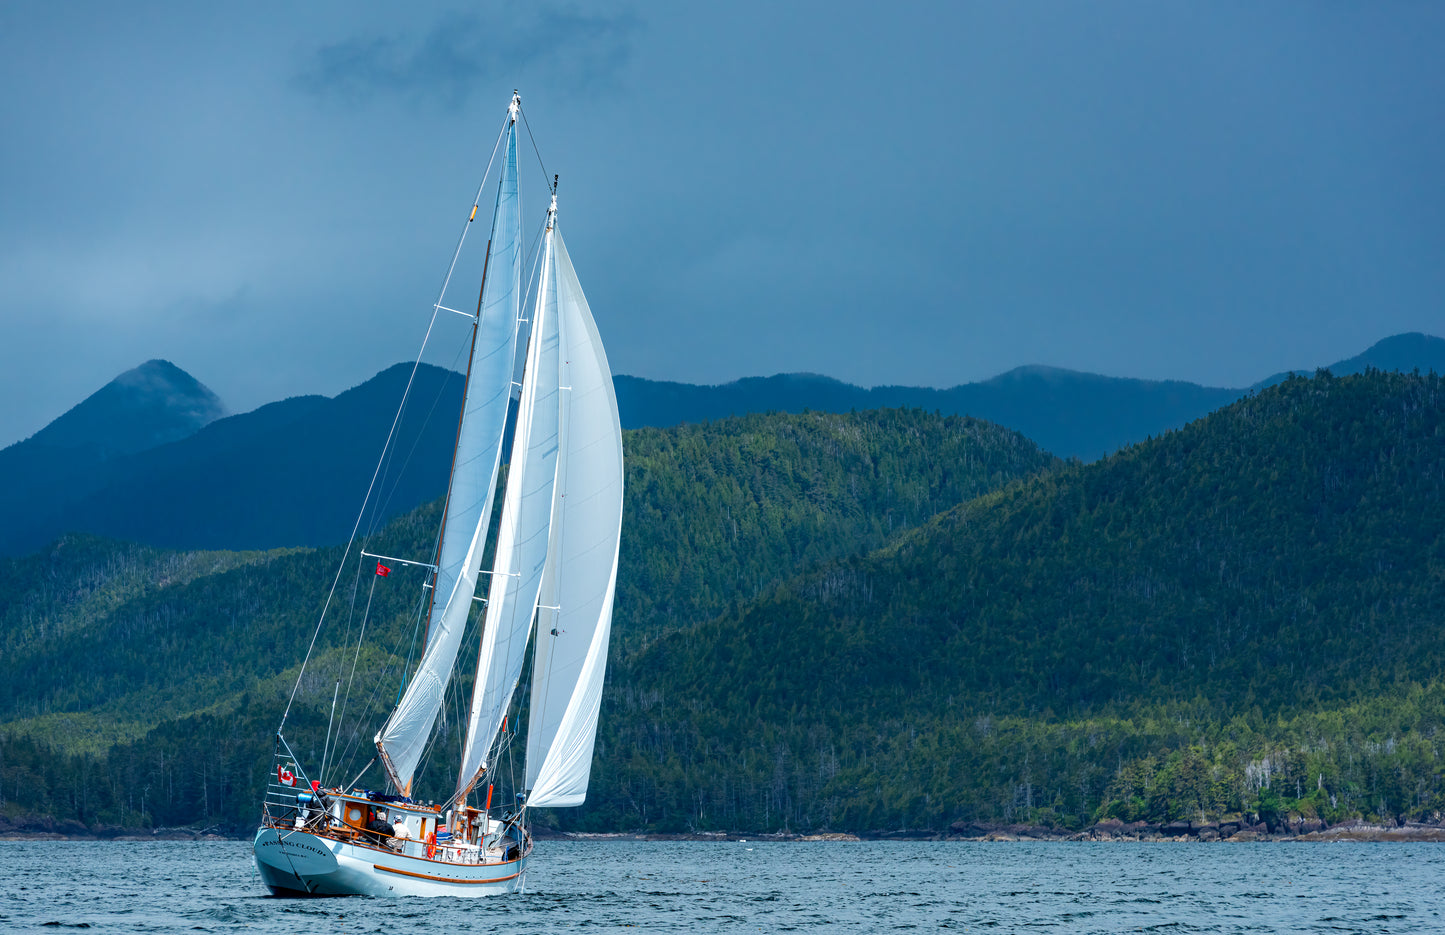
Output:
(52, 886)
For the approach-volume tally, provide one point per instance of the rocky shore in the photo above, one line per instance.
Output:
(1237, 830)
(45, 828)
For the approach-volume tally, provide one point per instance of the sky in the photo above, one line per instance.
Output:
(268, 195)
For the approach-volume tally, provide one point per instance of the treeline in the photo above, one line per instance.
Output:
(118, 650)
(1380, 759)
(1280, 560)
(1241, 617)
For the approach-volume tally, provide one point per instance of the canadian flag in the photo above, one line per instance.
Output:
(287, 777)
(383, 570)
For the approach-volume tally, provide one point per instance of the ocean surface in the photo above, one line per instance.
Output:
(52, 886)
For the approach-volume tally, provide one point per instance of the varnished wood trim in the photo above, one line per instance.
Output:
(427, 876)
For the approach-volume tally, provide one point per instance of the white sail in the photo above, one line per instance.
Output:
(522, 540)
(581, 577)
(474, 479)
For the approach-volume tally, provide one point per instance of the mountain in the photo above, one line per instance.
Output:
(1401, 353)
(107, 643)
(1161, 635)
(290, 473)
(150, 405)
(294, 472)
(1069, 413)
(1072, 414)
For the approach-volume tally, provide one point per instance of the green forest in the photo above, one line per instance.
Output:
(874, 622)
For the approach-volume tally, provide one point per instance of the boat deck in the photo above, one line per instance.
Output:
(345, 817)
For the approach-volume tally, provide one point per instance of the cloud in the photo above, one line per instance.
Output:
(465, 52)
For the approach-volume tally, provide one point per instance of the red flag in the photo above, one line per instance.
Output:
(382, 570)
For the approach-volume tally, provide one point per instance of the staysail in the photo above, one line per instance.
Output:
(474, 478)
(522, 540)
(575, 620)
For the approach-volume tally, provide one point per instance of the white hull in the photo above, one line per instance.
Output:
(296, 863)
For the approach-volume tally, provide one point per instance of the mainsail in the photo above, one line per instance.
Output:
(474, 478)
(522, 540)
(575, 619)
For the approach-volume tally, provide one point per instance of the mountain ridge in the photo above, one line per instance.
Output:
(281, 475)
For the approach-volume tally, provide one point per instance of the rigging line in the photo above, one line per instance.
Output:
(379, 681)
(533, 255)
(552, 187)
(472, 646)
(360, 637)
(326, 749)
(406, 462)
(341, 657)
(390, 434)
(350, 752)
(410, 651)
(380, 511)
(529, 698)
(469, 349)
(438, 740)
(431, 744)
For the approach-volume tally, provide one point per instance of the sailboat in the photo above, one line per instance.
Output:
(549, 587)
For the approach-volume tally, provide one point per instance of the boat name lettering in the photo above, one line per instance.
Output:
(306, 847)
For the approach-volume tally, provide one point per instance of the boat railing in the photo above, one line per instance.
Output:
(282, 814)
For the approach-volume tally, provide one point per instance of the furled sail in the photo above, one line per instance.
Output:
(523, 536)
(575, 620)
(474, 478)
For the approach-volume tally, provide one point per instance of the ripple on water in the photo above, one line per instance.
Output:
(161, 887)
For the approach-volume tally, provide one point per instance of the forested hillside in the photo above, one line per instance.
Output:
(1157, 635)
(150, 651)
(720, 512)
(1239, 618)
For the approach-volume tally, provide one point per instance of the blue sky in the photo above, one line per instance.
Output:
(905, 193)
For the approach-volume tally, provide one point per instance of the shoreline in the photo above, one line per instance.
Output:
(1360, 831)
(1104, 832)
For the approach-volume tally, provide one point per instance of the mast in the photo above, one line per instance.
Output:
(476, 463)
(451, 472)
(524, 535)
